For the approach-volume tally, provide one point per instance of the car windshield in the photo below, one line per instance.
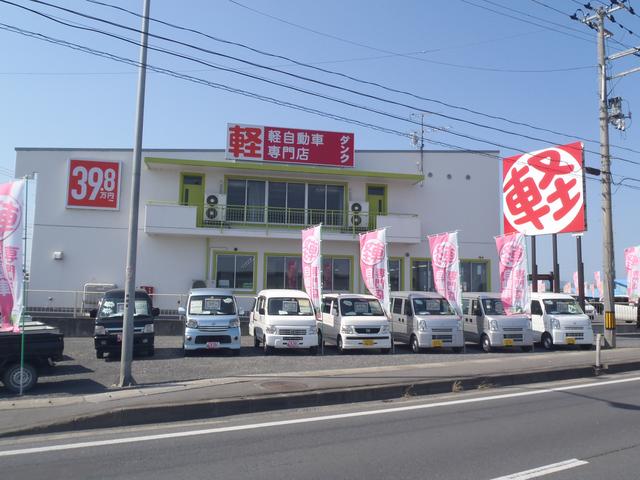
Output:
(431, 306)
(289, 306)
(493, 306)
(360, 306)
(114, 307)
(562, 306)
(212, 305)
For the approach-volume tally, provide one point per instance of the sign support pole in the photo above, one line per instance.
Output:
(555, 285)
(24, 283)
(534, 265)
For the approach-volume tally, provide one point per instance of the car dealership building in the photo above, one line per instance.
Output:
(207, 218)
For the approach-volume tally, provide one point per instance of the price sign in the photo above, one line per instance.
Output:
(93, 184)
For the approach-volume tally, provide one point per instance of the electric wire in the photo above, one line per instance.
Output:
(348, 77)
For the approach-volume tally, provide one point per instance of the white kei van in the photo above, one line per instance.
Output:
(425, 320)
(212, 321)
(487, 324)
(283, 319)
(557, 319)
(352, 321)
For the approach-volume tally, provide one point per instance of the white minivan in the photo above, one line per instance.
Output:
(352, 321)
(283, 319)
(557, 319)
(487, 324)
(425, 320)
(212, 321)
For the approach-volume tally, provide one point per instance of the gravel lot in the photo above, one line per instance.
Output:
(82, 373)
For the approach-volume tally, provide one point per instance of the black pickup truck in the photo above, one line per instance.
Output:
(43, 345)
(109, 318)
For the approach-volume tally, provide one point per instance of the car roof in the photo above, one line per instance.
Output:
(349, 295)
(481, 294)
(211, 291)
(282, 292)
(119, 292)
(416, 294)
(550, 295)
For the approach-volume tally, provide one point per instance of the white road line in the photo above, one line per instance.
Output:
(210, 431)
(545, 470)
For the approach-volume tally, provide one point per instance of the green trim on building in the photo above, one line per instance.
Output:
(262, 167)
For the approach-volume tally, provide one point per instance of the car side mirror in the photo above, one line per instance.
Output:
(182, 311)
(93, 313)
(155, 311)
(261, 311)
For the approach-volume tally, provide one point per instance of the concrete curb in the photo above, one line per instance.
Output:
(130, 416)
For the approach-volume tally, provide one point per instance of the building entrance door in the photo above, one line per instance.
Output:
(377, 198)
(192, 192)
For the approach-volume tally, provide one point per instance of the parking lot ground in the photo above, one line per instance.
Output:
(82, 373)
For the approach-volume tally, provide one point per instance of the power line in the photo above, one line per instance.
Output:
(300, 77)
(262, 52)
(240, 91)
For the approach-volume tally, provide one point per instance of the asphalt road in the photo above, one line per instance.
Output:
(587, 430)
(82, 373)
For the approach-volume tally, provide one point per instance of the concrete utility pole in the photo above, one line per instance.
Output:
(126, 379)
(596, 21)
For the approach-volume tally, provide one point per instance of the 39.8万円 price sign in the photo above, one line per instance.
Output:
(93, 184)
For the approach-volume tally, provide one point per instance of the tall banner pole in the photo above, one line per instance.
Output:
(24, 283)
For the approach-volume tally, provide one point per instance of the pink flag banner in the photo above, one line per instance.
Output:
(11, 254)
(576, 284)
(567, 288)
(312, 264)
(542, 286)
(598, 279)
(632, 265)
(592, 288)
(373, 265)
(514, 287)
(446, 267)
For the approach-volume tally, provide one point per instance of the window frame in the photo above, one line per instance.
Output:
(214, 269)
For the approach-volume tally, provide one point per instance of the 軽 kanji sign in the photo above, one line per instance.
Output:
(289, 145)
(543, 191)
(93, 184)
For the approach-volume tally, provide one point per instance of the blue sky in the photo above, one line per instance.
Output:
(528, 63)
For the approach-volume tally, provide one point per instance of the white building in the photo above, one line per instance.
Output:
(250, 239)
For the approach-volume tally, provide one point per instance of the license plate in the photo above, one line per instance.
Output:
(292, 344)
(436, 343)
(570, 341)
(213, 344)
(507, 342)
(368, 343)
(119, 338)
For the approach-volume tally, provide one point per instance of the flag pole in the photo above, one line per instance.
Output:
(24, 283)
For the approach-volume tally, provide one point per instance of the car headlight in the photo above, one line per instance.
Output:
(235, 323)
(100, 330)
(493, 325)
(312, 330)
(347, 329)
(192, 323)
(271, 329)
(422, 326)
(384, 329)
(555, 323)
(148, 328)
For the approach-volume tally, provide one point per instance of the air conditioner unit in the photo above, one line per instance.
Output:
(214, 207)
(358, 215)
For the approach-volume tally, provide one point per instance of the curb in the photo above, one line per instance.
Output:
(131, 416)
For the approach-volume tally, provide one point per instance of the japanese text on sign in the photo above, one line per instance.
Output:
(290, 145)
(543, 191)
(93, 184)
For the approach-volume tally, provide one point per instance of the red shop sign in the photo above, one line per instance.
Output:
(94, 184)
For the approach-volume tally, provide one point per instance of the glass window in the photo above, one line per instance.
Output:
(562, 306)
(336, 274)
(295, 203)
(493, 306)
(235, 271)
(236, 200)
(335, 205)
(536, 309)
(326, 305)
(473, 276)
(255, 200)
(284, 272)
(212, 305)
(360, 306)
(289, 306)
(407, 308)
(397, 305)
(114, 307)
(395, 273)
(277, 202)
(422, 276)
(432, 306)
(465, 305)
(316, 203)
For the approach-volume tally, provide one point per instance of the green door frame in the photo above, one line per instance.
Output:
(374, 203)
(196, 198)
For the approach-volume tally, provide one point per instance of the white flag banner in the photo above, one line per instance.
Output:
(374, 265)
(11, 254)
(311, 264)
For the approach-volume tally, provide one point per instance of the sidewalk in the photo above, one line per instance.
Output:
(209, 398)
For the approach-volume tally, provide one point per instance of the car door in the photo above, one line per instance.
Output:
(407, 318)
(396, 314)
(537, 319)
(257, 317)
(477, 324)
(466, 319)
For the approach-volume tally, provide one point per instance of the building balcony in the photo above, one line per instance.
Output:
(285, 223)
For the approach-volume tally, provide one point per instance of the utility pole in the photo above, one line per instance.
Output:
(126, 379)
(596, 21)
